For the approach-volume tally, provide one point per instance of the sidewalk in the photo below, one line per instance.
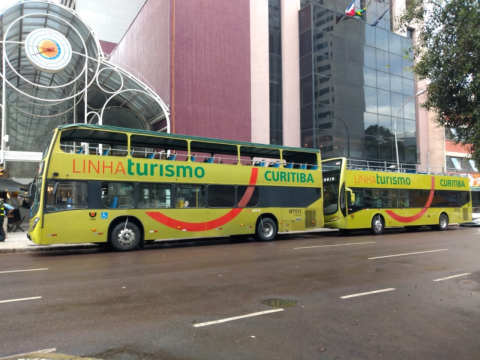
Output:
(17, 242)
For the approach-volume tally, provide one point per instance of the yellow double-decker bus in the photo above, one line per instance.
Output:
(124, 187)
(357, 197)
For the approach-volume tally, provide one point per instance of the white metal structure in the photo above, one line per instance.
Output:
(88, 90)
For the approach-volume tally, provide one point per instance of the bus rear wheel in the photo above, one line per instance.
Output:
(266, 230)
(377, 225)
(125, 237)
(442, 222)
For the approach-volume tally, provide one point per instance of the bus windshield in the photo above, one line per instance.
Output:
(35, 193)
(331, 171)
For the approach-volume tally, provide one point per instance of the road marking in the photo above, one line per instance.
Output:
(320, 246)
(14, 271)
(45, 351)
(454, 276)
(366, 293)
(414, 253)
(237, 317)
(12, 300)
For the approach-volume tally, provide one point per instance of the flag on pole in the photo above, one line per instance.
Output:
(380, 18)
(360, 12)
(350, 11)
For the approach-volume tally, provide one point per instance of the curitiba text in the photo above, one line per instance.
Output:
(138, 169)
(288, 176)
(452, 183)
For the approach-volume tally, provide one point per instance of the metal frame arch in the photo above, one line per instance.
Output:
(122, 91)
(22, 43)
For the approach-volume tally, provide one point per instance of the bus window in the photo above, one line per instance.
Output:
(66, 195)
(154, 196)
(191, 196)
(158, 147)
(84, 141)
(373, 198)
(215, 153)
(221, 196)
(243, 196)
(300, 160)
(403, 200)
(117, 195)
(358, 200)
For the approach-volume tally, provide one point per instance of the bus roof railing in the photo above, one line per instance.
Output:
(390, 166)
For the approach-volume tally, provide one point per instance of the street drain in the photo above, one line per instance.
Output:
(280, 303)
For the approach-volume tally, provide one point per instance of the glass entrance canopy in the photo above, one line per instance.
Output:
(39, 92)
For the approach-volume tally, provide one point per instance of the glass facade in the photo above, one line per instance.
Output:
(275, 53)
(354, 78)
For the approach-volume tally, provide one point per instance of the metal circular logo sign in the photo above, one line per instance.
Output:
(48, 50)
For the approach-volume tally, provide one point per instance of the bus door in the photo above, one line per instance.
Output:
(343, 201)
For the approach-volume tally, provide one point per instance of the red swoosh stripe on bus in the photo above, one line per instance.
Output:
(408, 219)
(212, 224)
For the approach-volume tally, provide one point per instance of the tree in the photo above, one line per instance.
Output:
(447, 50)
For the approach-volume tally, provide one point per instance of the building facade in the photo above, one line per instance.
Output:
(281, 71)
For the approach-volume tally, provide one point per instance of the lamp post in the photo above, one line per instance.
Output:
(348, 136)
(395, 122)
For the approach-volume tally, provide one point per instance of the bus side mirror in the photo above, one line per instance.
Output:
(350, 196)
(55, 188)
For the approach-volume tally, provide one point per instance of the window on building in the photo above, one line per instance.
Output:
(410, 33)
(472, 164)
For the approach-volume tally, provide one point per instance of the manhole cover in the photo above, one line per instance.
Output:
(280, 303)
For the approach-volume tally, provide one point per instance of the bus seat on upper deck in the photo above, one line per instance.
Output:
(172, 157)
(289, 166)
(209, 160)
(105, 153)
(151, 156)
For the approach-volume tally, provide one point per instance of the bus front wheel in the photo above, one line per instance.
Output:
(377, 225)
(442, 222)
(266, 229)
(125, 236)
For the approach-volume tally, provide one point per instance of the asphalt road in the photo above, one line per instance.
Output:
(149, 304)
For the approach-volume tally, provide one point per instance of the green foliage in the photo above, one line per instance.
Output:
(447, 51)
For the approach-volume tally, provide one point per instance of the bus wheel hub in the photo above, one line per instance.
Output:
(267, 230)
(126, 237)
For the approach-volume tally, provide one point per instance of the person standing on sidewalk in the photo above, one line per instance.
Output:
(7, 210)
(2, 220)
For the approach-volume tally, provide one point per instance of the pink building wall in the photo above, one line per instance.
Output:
(212, 68)
(208, 88)
(107, 46)
(144, 51)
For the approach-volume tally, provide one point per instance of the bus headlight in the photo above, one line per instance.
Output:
(35, 222)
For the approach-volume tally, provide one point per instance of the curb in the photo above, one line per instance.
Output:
(49, 248)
